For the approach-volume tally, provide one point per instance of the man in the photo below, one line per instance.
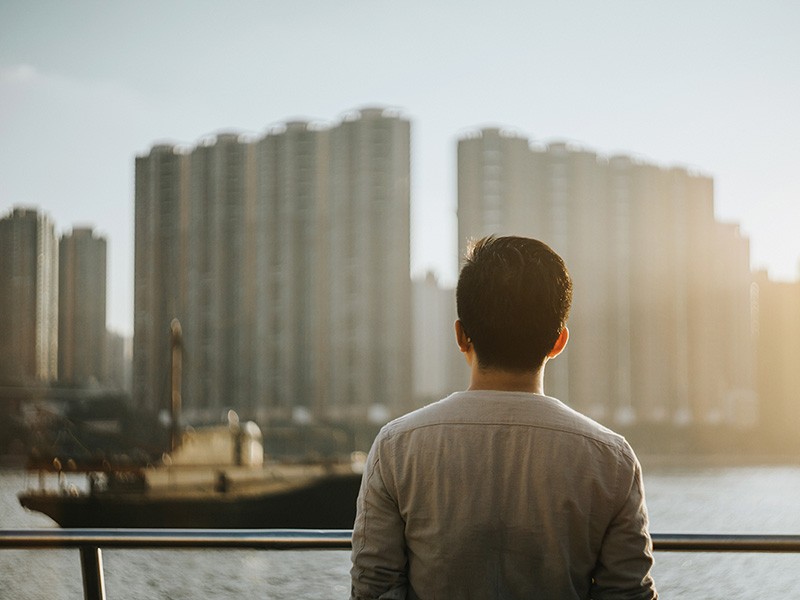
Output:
(501, 491)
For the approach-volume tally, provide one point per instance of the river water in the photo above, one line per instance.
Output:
(762, 499)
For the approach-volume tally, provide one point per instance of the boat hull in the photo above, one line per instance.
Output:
(327, 503)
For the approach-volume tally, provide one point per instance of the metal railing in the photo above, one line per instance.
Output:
(91, 542)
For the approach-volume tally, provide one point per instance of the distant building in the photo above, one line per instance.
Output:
(28, 298)
(661, 326)
(82, 352)
(286, 258)
(778, 307)
(368, 266)
(439, 366)
(119, 361)
(160, 268)
(293, 242)
(221, 355)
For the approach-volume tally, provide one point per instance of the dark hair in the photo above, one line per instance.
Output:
(513, 299)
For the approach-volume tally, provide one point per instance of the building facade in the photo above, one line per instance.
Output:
(660, 324)
(82, 352)
(286, 258)
(439, 367)
(777, 304)
(28, 298)
(119, 361)
(160, 268)
(293, 189)
(369, 266)
(220, 300)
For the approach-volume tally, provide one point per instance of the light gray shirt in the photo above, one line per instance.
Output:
(501, 495)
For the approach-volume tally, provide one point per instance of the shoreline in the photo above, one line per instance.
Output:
(648, 461)
(659, 461)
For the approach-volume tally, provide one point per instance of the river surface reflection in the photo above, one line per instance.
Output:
(752, 499)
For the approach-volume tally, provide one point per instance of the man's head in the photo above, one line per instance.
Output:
(513, 299)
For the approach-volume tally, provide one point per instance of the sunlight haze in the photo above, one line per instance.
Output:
(85, 86)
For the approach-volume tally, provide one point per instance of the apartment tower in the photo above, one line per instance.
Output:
(660, 321)
(369, 265)
(160, 269)
(292, 279)
(28, 298)
(219, 357)
(82, 343)
(290, 253)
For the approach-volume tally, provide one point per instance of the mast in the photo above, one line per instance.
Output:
(176, 339)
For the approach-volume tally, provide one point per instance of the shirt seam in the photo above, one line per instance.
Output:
(367, 492)
(620, 446)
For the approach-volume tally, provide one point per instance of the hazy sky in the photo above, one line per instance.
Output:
(85, 86)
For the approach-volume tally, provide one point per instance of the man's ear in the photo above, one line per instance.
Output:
(563, 337)
(462, 339)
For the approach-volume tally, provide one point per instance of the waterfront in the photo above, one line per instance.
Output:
(748, 499)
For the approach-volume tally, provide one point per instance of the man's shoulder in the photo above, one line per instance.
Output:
(583, 425)
(430, 414)
(512, 409)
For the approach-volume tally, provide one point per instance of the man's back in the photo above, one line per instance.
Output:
(500, 491)
(491, 494)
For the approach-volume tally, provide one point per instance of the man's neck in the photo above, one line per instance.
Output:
(507, 381)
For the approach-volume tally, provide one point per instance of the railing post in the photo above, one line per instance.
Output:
(94, 588)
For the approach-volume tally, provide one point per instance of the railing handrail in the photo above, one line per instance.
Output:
(329, 539)
(91, 542)
(264, 539)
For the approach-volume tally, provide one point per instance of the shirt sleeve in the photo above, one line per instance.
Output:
(626, 557)
(380, 563)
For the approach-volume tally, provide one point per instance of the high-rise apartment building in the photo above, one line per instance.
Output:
(286, 258)
(777, 304)
(439, 366)
(369, 264)
(28, 298)
(293, 286)
(119, 361)
(496, 173)
(220, 269)
(660, 321)
(160, 268)
(82, 308)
